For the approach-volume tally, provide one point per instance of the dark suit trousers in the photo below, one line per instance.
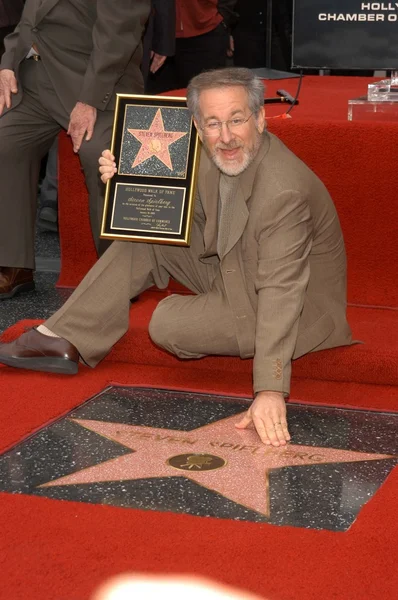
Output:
(27, 132)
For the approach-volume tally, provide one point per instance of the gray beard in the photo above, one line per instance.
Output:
(232, 169)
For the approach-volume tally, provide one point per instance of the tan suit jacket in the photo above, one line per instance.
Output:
(284, 268)
(90, 48)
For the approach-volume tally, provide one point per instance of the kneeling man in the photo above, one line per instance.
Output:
(267, 263)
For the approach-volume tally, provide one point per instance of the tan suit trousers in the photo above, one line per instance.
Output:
(96, 316)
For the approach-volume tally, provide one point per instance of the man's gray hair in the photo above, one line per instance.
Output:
(229, 77)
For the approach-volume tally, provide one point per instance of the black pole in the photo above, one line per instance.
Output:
(268, 50)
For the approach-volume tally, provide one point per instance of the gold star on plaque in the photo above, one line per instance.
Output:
(155, 141)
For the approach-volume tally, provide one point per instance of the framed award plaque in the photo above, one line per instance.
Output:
(156, 148)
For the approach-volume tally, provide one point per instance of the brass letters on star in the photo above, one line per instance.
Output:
(304, 456)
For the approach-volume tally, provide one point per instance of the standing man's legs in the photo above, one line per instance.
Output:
(250, 48)
(48, 209)
(89, 154)
(200, 53)
(26, 134)
(163, 80)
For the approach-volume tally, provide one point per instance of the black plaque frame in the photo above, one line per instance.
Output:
(147, 201)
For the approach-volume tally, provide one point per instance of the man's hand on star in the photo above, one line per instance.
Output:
(81, 123)
(268, 415)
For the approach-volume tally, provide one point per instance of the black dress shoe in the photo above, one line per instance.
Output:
(38, 352)
(14, 281)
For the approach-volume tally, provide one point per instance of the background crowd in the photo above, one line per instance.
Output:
(197, 35)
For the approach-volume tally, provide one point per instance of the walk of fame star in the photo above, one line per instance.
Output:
(155, 141)
(217, 456)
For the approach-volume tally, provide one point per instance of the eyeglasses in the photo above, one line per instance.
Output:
(213, 128)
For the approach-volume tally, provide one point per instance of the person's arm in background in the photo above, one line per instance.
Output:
(116, 36)
(163, 36)
(226, 8)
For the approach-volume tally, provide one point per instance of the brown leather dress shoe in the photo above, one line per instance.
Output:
(14, 281)
(38, 352)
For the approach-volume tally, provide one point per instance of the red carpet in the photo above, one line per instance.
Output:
(63, 550)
